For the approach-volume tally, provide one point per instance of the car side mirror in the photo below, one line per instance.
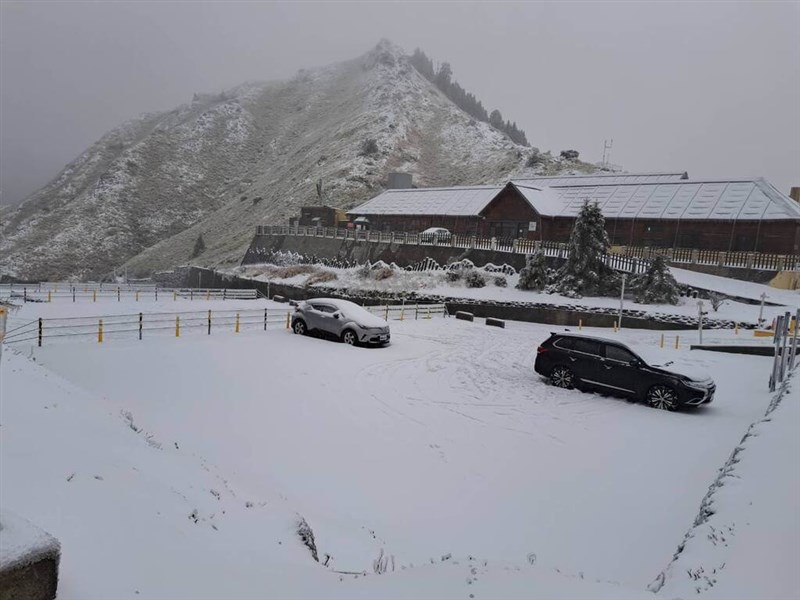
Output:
(635, 363)
(337, 314)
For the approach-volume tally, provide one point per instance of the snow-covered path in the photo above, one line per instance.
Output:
(444, 442)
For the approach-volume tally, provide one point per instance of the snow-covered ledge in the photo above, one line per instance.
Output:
(29, 560)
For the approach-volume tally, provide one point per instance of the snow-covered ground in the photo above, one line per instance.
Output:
(435, 283)
(180, 467)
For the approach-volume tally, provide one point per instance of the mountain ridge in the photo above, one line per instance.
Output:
(140, 196)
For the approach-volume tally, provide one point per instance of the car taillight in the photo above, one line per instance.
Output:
(541, 349)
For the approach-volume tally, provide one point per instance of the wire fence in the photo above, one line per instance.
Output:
(141, 326)
(92, 293)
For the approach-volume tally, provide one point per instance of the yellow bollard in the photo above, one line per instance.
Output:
(177, 326)
(94, 295)
(580, 324)
(615, 326)
(137, 295)
(237, 323)
(661, 345)
(49, 297)
(677, 341)
(100, 331)
(288, 318)
(174, 296)
(736, 329)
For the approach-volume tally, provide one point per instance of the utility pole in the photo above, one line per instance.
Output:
(607, 145)
(761, 310)
(700, 314)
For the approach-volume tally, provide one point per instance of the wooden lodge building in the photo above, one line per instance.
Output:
(666, 210)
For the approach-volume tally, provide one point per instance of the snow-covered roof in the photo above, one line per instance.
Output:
(619, 197)
(455, 201)
(743, 199)
(602, 179)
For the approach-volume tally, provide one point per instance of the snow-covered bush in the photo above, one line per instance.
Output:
(306, 535)
(383, 273)
(474, 279)
(585, 272)
(199, 247)
(369, 147)
(656, 285)
(501, 281)
(570, 154)
(716, 300)
(533, 276)
(453, 275)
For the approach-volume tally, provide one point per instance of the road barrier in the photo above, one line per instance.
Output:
(142, 325)
(81, 292)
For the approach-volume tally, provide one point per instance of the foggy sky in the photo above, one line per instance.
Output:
(712, 88)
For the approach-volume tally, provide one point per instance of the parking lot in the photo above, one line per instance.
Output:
(446, 441)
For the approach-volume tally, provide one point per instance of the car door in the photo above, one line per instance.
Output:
(322, 316)
(583, 356)
(619, 370)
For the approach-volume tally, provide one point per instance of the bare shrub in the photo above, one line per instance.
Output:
(320, 277)
(383, 273)
(474, 279)
(294, 271)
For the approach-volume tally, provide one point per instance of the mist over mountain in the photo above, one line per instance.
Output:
(139, 197)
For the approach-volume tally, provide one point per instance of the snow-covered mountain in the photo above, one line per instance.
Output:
(141, 195)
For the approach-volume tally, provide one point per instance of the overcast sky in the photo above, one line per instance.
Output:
(712, 88)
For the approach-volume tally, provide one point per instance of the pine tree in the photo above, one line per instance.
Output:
(656, 285)
(533, 276)
(199, 246)
(585, 272)
(496, 120)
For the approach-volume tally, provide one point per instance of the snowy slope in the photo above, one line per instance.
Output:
(250, 155)
(444, 443)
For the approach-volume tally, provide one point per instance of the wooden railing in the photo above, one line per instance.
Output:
(626, 258)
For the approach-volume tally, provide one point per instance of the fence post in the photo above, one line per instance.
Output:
(100, 331)
(178, 326)
(40, 331)
(118, 294)
(94, 295)
(677, 341)
(24, 294)
(191, 295)
(140, 326)
(174, 295)
(73, 293)
(386, 314)
(156, 289)
(661, 345)
(236, 330)
(224, 292)
(209, 321)
(49, 296)
(416, 312)
(265, 319)
(288, 317)
(137, 295)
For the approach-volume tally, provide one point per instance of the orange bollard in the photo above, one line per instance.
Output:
(100, 331)
(177, 326)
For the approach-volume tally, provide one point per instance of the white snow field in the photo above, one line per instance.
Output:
(174, 468)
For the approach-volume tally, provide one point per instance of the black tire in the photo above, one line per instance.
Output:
(662, 397)
(349, 337)
(562, 377)
(299, 327)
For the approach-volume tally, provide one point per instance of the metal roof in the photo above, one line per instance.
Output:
(602, 179)
(684, 199)
(455, 201)
(725, 200)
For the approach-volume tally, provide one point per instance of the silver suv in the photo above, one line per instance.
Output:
(340, 320)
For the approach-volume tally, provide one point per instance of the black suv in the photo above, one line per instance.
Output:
(571, 360)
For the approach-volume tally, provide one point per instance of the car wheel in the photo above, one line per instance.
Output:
(662, 397)
(299, 327)
(562, 377)
(349, 337)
